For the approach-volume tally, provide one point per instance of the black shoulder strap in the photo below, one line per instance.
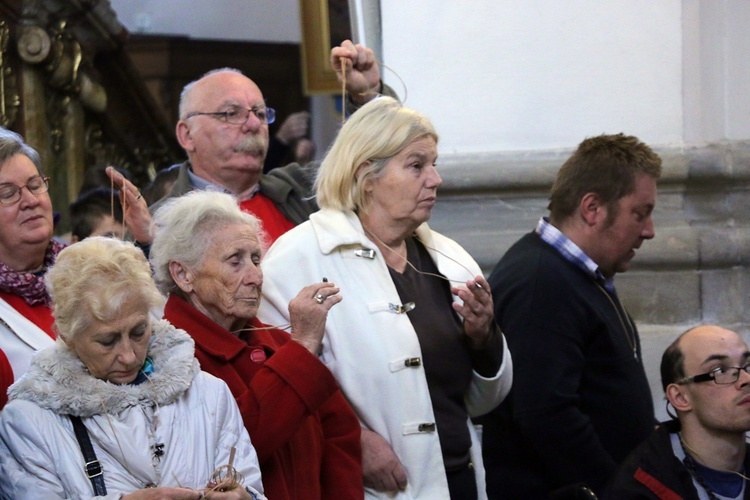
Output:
(93, 467)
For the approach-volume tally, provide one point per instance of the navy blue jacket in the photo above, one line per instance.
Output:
(580, 401)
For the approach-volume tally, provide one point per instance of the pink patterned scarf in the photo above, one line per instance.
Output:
(29, 286)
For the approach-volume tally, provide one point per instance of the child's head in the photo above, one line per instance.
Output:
(96, 213)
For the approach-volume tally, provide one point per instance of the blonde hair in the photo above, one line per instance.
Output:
(373, 135)
(92, 279)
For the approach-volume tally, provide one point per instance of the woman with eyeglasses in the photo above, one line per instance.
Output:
(413, 343)
(26, 251)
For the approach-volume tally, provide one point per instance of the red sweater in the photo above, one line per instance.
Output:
(41, 316)
(274, 222)
(305, 433)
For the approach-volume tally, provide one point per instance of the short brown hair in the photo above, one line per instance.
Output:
(606, 165)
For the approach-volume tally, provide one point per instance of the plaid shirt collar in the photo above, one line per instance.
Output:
(572, 253)
(202, 184)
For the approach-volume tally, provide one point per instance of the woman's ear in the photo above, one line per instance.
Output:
(360, 172)
(679, 396)
(65, 340)
(181, 275)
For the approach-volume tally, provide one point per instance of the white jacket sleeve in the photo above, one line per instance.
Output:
(28, 461)
(233, 434)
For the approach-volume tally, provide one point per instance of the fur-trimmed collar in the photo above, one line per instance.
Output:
(57, 380)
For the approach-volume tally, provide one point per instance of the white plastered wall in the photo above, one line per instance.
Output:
(503, 75)
(506, 75)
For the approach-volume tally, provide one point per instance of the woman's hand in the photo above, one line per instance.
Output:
(227, 489)
(381, 468)
(135, 212)
(164, 492)
(361, 70)
(308, 312)
(477, 310)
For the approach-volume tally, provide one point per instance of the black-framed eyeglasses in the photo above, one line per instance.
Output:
(722, 375)
(10, 193)
(238, 115)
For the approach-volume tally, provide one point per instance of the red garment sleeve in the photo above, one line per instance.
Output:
(6, 378)
(342, 453)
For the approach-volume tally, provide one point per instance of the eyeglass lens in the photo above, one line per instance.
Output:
(729, 375)
(11, 193)
(239, 115)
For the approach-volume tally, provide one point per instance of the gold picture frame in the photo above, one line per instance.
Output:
(317, 40)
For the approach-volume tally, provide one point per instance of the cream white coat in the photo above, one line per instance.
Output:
(367, 341)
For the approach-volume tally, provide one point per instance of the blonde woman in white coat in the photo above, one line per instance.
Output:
(158, 426)
(414, 344)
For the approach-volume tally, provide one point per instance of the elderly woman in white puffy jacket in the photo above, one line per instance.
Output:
(118, 407)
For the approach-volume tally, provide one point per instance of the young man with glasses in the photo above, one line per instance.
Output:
(701, 453)
(223, 128)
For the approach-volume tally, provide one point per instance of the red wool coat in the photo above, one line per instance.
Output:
(304, 431)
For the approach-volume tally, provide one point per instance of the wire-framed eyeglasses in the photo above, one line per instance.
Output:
(722, 375)
(238, 115)
(10, 193)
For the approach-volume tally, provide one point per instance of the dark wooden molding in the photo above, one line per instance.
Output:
(80, 100)
(168, 63)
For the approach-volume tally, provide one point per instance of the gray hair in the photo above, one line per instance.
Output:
(188, 89)
(183, 229)
(12, 144)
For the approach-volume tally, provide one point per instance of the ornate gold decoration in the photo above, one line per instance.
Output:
(57, 110)
(101, 151)
(34, 44)
(9, 99)
(59, 54)
(66, 60)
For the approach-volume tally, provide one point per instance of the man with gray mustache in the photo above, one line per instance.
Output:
(223, 128)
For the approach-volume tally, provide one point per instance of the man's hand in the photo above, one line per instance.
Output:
(381, 468)
(135, 212)
(361, 69)
(294, 127)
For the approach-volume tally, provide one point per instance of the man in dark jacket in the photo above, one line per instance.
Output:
(580, 401)
(702, 453)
